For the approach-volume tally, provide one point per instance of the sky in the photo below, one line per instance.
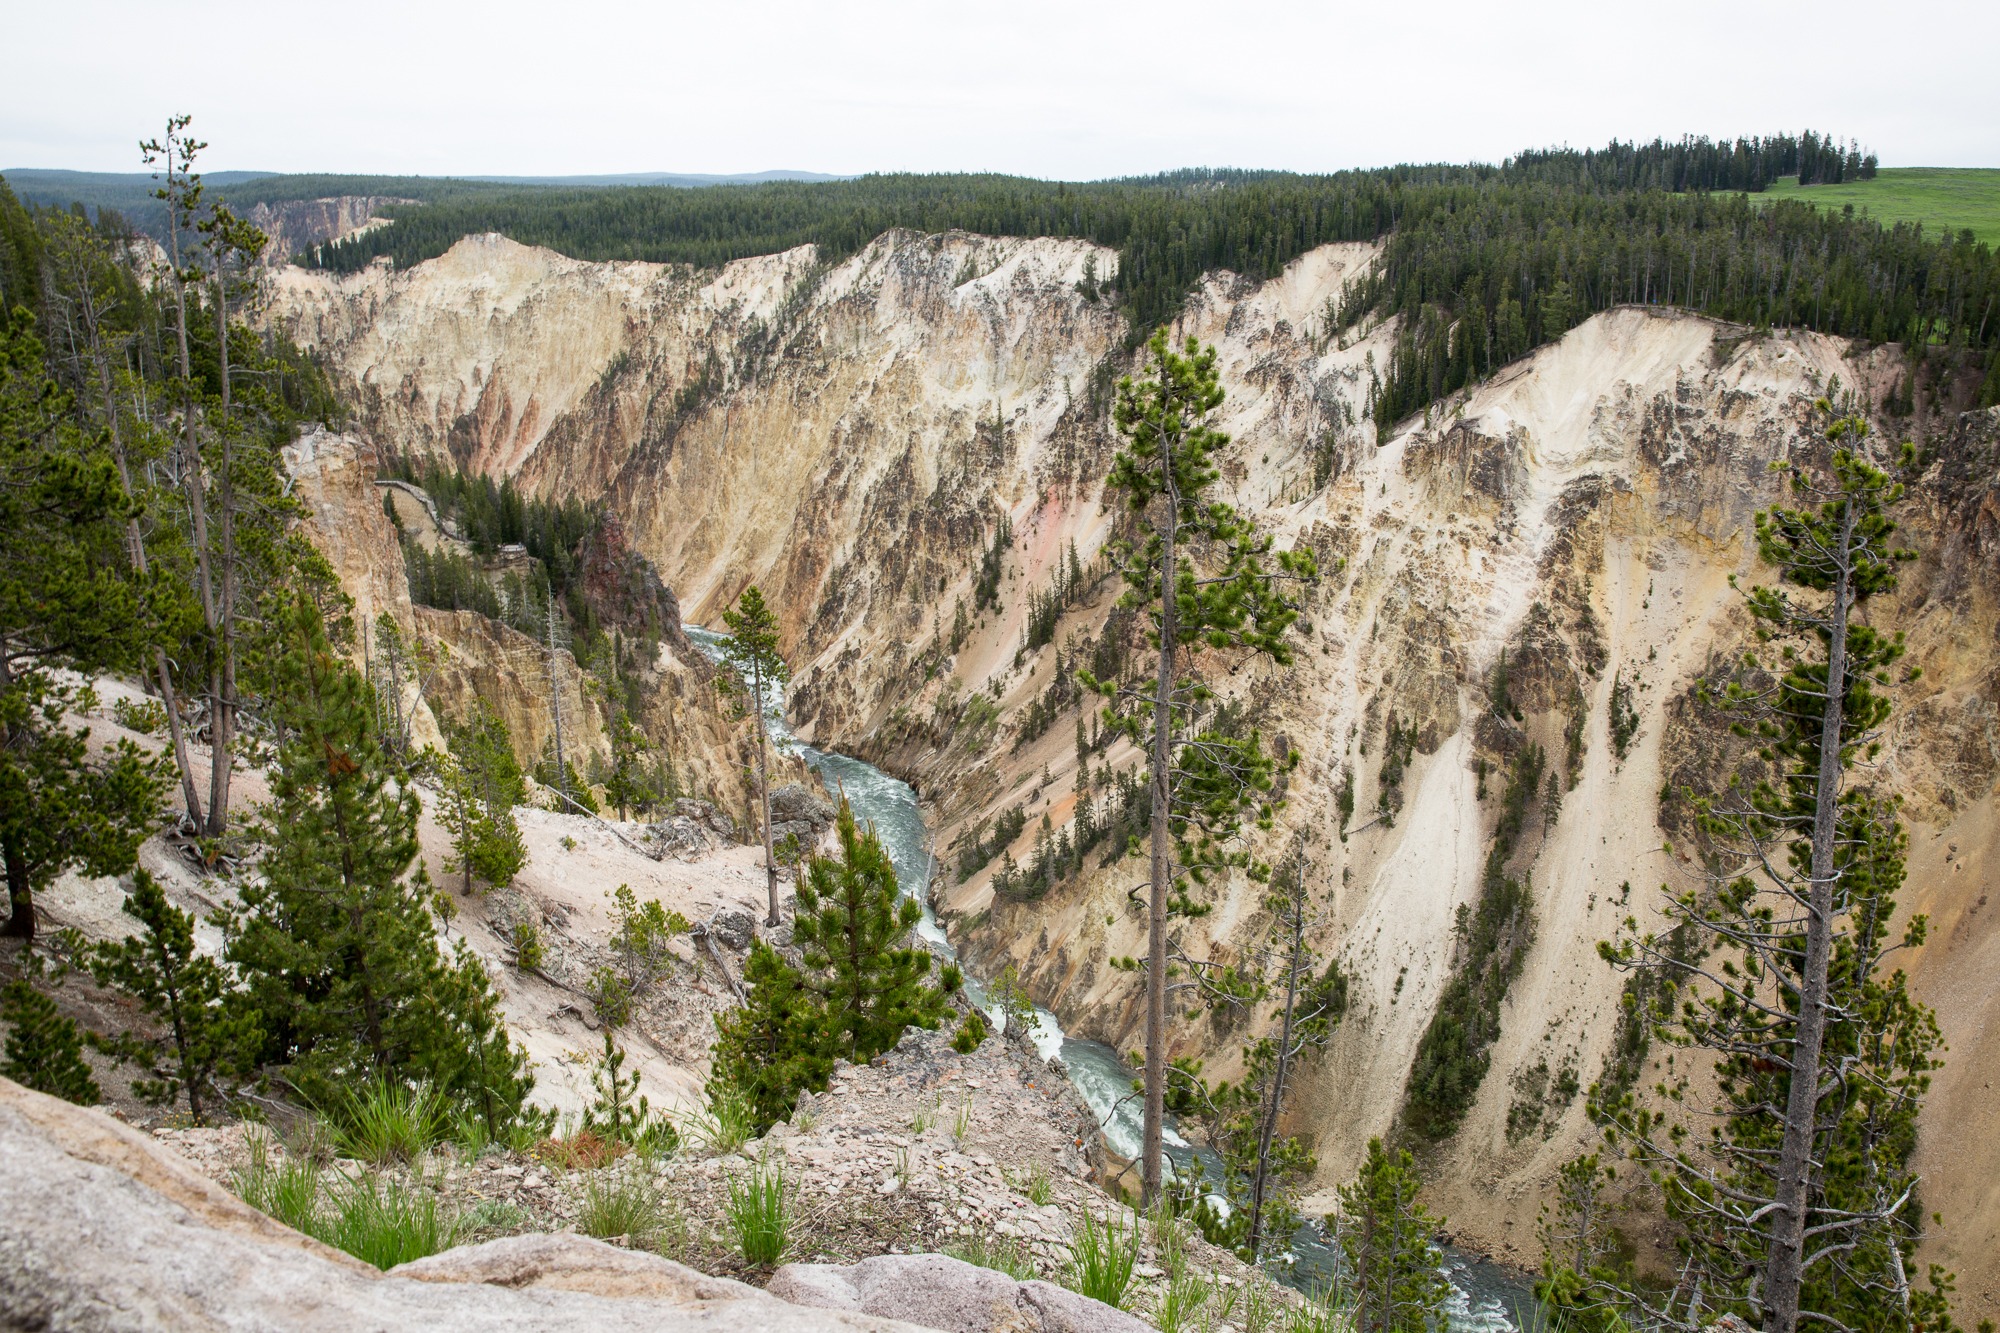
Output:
(1075, 90)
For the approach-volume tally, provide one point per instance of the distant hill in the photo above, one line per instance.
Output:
(130, 193)
(664, 178)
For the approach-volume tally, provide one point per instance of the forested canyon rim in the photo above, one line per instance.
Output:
(848, 437)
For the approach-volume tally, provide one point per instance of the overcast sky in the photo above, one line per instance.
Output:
(1074, 89)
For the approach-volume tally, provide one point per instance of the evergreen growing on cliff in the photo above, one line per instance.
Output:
(480, 783)
(861, 982)
(210, 1030)
(1262, 1168)
(1202, 577)
(1787, 1176)
(751, 651)
(68, 598)
(334, 940)
(1392, 1283)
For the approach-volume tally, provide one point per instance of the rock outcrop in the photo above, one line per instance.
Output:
(949, 1294)
(105, 1230)
(297, 225)
(474, 659)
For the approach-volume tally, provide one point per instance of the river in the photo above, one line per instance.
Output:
(1485, 1296)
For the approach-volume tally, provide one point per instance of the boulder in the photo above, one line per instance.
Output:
(734, 929)
(798, 810)
(947, 1294)
(101, 1228)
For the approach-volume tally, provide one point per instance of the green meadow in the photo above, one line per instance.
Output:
(1942, 198)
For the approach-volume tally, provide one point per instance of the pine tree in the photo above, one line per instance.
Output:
(44, 1049)
(778, 1044)
(752, 652)
(627, 786)
(854, 934)
(1393, 1281)
(211, 1031)
(1200, 574)
(67, 597)
(1261, 1168)
(337, 948)
(618, 1111)
(1788, 1173)
(480, 784)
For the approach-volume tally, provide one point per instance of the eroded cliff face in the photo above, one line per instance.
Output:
(295, 225)
(849, 437)
(473, 659)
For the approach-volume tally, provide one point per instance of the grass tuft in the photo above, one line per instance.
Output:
(386, 1223)
(1101, 1259)
(759, 1212)
(628, 1203)
(727, 1123)
(386, 1122)
(1004, 1256)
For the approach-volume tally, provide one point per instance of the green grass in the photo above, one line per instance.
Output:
(1003, 1256)
(385, 1122)
(1944, 199)
(759, 1212)
(625, 1203)
(386, 1223)
(1101, 1259)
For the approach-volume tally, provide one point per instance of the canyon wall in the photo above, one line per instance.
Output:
(850, 436)
(474, 660)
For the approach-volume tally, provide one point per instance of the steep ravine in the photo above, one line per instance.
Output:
(849, 437)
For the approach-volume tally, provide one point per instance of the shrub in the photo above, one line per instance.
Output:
(970, 1033)
(611, 996)
(528, 954)
(44, 1050)
(144, 716)
(759, 1213)
(584, 1150)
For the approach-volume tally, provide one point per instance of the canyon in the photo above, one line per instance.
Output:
(851, 436)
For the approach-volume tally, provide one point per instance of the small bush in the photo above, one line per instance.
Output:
(1101, 1259)
(495, 1216)
(528, 954)
(144, 716)
(45, 1050)
(760, 1214)
(611, 996)
(583, 1150)
(1003, 1256)
(970, 1033)
(388, 1122)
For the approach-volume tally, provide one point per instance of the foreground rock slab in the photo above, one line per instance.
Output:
(103, 1229)
(948, 1294)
